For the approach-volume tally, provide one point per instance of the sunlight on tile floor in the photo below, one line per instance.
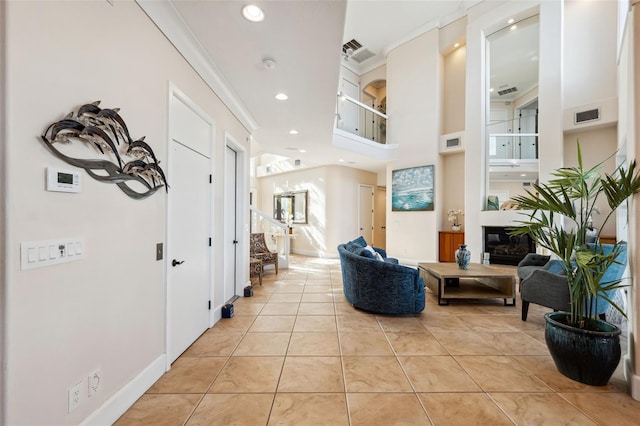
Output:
(297, 353)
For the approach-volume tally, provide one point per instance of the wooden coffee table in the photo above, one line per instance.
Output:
(478, 282)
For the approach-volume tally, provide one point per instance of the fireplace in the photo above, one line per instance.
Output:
(505, 249)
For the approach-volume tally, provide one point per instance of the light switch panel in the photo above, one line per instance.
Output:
(36, 254)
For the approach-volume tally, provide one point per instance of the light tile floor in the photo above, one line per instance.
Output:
(297, 353)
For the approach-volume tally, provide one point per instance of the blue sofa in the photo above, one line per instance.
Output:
(379, 286)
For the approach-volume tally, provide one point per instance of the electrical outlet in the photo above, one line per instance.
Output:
(94, 382)
(75, 396)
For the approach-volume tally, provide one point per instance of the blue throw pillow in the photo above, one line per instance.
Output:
(554, 266)
(361, 251)
(350, 247)
(360, 242)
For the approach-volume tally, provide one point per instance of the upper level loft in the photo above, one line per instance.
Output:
(360, 123)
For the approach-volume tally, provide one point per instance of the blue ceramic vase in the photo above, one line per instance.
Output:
(463, 257)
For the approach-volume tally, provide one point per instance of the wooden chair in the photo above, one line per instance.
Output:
(258, 249)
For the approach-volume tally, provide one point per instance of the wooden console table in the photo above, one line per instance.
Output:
(478, 282)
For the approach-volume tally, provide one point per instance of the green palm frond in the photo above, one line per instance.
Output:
(557, 220)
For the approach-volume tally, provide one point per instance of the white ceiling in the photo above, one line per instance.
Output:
(382, 25)
(304, 38)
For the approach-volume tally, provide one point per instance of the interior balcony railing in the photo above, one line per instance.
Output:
(515, 139)
(359, 119)
(276, 234)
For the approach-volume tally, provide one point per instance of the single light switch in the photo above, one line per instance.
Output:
(53, 252)
(43, 253)
(71, 249)
(79, 247)
(32, 255)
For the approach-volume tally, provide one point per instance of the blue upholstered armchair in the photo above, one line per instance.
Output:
(547, 286)
(380, 286)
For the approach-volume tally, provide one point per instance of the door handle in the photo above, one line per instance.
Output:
(175, 263)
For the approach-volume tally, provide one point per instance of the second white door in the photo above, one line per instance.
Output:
(230, 224)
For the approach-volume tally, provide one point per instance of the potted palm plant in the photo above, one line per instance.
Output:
(559, 220)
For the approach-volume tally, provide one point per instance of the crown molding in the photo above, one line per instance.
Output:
(165, 16)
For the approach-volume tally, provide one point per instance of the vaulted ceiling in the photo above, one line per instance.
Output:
(296, 50)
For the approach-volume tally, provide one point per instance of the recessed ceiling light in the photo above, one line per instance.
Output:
(491, 90)
(341, 161)
(252, 13)
(293, 132)
(282, 96)
(523, 175)
(456, 45)
(513, 27)
(510, 21)
(302, 151)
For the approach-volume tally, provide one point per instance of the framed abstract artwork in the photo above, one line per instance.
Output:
(412, 189)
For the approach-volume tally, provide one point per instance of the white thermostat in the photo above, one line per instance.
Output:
(62, 180)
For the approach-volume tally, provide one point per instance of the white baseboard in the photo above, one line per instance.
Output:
(413, 263)
(633, 380)
(315, 253)
(122, 400)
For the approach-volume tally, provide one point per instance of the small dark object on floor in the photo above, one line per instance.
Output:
(248, 291)
(227, 310)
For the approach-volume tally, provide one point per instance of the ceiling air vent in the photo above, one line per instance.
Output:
(354, 50)
(507, 91)
(362, 55)
(351, 46)
(584, 116)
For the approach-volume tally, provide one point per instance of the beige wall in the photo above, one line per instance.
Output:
(108, 310)
(452, 165)
(596, 146)
(332, 208)
(413, 85)
(454, 91)
(589, 73)
(453, 187)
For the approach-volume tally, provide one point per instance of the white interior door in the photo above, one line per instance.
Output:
(230, 224)
(189, 210)
(365, 212)
(188, 251)
(380, 218)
